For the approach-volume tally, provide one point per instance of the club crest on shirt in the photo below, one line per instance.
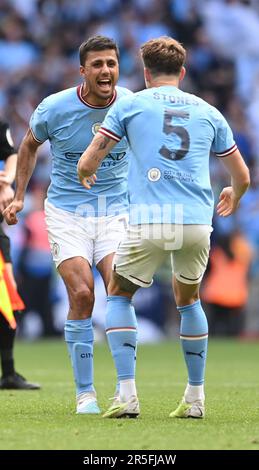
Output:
(154, 174)
(95, 127)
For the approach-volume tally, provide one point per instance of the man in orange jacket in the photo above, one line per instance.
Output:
(10, 378)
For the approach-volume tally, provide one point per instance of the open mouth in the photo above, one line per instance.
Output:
(104, 84)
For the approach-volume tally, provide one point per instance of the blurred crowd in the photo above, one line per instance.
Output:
(39, 42)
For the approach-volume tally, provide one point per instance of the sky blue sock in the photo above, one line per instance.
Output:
(79, 338)
(121, 330)
(194, 339)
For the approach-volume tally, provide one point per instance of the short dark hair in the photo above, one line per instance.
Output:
(163, 55)
(96, 43)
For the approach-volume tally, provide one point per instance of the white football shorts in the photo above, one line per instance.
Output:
(92, 238)
(146, 247)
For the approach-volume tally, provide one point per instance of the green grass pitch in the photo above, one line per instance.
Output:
(46, 419)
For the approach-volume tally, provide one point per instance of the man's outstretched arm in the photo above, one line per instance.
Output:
(92, 158)
(240, 179)
(25, 165)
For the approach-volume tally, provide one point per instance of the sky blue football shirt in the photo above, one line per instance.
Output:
(171, 134)
(69, 123)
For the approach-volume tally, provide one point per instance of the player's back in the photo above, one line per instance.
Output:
(171, 134)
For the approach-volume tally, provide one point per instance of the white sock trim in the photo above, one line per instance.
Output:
(193, 393)
(127, 389)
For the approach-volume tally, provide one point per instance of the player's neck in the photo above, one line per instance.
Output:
(164, 82)
(94, 100)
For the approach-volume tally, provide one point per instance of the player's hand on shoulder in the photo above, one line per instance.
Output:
(87, 181)
(10, 212)
(228, 202)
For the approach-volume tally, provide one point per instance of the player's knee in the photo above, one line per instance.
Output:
(121, 286)
(83, 298)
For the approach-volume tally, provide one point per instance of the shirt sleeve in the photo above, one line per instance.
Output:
(38, 123)
(223, 144)
(113, 125)
(6, 142)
